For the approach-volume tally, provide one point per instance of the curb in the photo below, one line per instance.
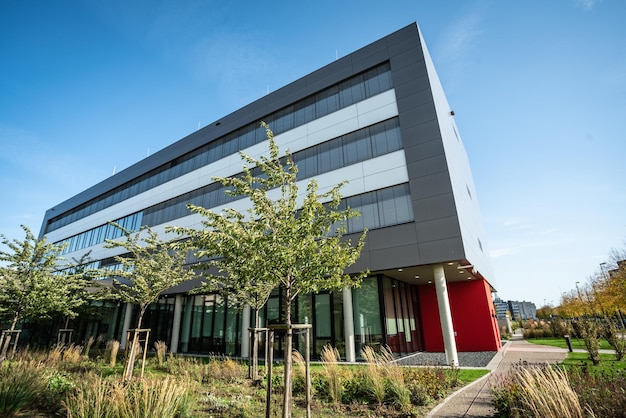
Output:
(492, 366)
(434, 411)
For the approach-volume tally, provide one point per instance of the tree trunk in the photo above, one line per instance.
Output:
(7, 338)
(288, 348)
(130, 365)
(255, 347)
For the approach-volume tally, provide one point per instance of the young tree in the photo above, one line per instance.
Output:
(149, 267)
(291, 239)
(228, 241)
(35, 285)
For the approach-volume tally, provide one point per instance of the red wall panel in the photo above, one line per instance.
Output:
(473, 317)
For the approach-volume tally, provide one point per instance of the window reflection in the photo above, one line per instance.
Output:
(346, 93)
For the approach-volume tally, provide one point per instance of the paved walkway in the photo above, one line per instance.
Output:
(475, 400)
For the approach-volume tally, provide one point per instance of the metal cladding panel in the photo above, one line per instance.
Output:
(326, 76)
(415, 104)
(387, 248)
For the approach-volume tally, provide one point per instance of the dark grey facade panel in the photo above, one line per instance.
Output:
(428, 166)
(420, 96)
(429, 181)
(434, 207)
(375, 258)
(394, 257)
(429, 186)
(423, 150)
(438, 229)
(418, 114)
(360, 60)
(433, 252)
(360, 64)
(398, 235)
(418, 134)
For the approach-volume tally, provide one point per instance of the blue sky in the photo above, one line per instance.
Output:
(538, 87)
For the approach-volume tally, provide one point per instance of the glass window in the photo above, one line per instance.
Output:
(387, 207)
(344, 94)
(273, 310)
(404, 208)
(366, 311)
(322, 316)
(231, 336)
(327, 101)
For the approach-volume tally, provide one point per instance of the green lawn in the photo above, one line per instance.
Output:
(560, 342)
(469, 375)
(608, 362)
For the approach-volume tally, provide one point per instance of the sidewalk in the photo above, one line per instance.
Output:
(475, 400)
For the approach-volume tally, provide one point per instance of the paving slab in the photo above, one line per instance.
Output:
(476, 400)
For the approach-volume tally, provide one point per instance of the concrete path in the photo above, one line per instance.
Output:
(475, 400)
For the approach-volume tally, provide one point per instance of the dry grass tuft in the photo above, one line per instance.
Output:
(111, 350)
(547, 393)
(161, 349)
(100, 397)
(375, 374)
(330, 365)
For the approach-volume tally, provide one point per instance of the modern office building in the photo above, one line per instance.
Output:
(519, 311)
(377, 118)
(502, 308)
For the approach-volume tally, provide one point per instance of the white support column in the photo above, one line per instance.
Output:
(245, 334)
(348, 324)
(186, 325)
(445, 316)
(126, 326)
(178, 310)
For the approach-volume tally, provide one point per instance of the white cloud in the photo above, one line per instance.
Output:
(459, 39)
(504, 251)
(586, 4)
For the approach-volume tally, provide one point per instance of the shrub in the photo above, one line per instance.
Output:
(319, 385)
(590, 333)
(429, 383)
(559, 327)
(530, 333)
(615, 338)
(59, 384)
(299, 374)
(419, 394)
(355, 388)
(603, 393)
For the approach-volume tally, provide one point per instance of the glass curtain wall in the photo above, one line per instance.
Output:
(159, 318)
(209, 325)
(325, 311)
(400, 310)
(368, 328)
(386, 312)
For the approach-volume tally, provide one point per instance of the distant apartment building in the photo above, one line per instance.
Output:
(501, 307)
(526, 310)
(519, 311)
